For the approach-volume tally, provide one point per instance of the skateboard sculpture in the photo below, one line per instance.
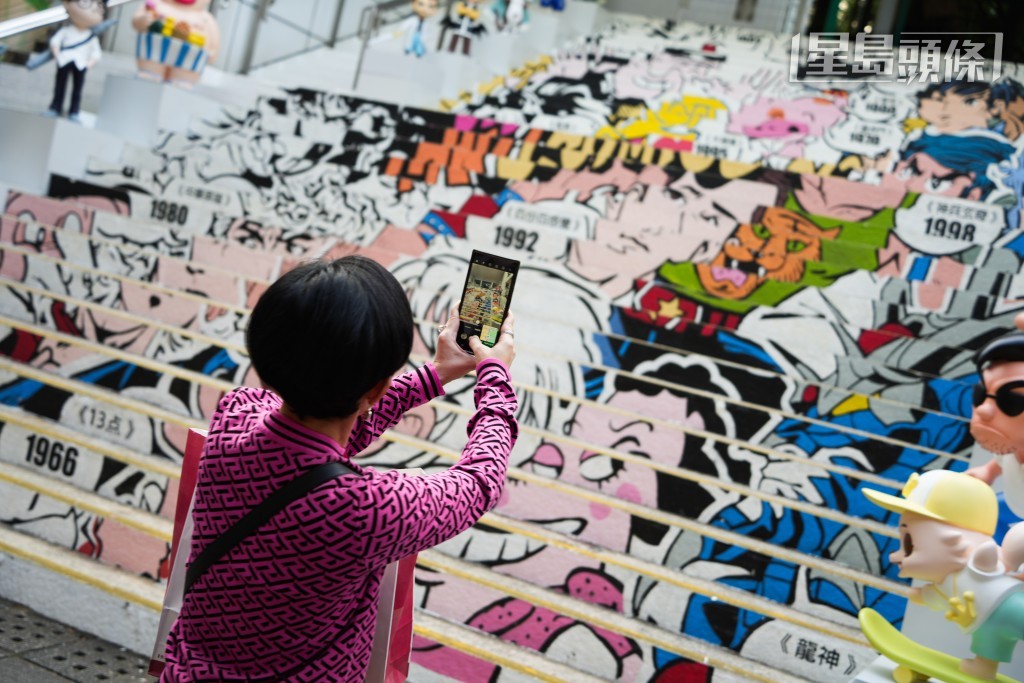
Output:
(946, 526)
(177, 39)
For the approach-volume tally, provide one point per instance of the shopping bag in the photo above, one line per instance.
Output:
(392, 639)
(181, 543)
(401, 624)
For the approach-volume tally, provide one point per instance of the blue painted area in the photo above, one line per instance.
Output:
(777, 580)
(439, 226)
(19, 391)
(919, 270)
(741, 347)
(507, 195)
(221, 361)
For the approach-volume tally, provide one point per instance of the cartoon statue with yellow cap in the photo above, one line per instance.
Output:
(946, 526)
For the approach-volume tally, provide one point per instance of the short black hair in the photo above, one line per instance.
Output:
(1008, 348)
(327, 332)
(961, 87)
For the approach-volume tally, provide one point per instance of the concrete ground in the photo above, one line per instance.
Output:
(34, 649)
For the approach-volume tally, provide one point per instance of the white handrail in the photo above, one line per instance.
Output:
(46, 17)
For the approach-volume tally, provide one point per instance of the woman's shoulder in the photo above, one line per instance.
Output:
(247, 400)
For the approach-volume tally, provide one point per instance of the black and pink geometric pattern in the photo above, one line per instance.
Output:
(297, 601)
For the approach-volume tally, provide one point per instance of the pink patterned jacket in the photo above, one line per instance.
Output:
(297, 601)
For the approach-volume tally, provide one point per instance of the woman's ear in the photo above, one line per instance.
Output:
(377, 392)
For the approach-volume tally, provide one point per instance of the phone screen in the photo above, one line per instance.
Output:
(486, 297)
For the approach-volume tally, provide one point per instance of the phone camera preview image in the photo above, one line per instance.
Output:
(485, 298)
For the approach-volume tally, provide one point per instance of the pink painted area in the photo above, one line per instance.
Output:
(932, 296)
(792, 121)
(128, 548)
(236, 258)
(193, 277)
(465, 123)
(845, 199)
(630, 493)
(54, 212)
(893, 257)
(674, 144)
(947, 272)
(600, 512)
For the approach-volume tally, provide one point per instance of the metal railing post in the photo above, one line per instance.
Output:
(254, 32)
(337, 24)
(367, 27)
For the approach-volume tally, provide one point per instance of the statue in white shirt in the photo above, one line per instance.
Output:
(76, 50)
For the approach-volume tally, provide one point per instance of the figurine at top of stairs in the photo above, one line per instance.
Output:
(177, 39)
(412, 28)
(76, 50)
(465, 25)
(511, 15)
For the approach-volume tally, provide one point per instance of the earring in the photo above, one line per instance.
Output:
(369, 414)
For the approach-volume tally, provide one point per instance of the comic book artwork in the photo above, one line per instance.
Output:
(724, 352)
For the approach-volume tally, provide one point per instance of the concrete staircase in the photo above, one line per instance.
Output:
(684, 502)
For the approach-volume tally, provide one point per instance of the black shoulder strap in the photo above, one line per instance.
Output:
(260, 514)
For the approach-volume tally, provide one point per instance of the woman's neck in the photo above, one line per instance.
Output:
(336, 429)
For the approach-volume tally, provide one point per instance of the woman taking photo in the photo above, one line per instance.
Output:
(297, 599)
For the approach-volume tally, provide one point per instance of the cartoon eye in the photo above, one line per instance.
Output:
(761, 231)
(936, 185)
(599, 468)
(547, 461)
(794, 246)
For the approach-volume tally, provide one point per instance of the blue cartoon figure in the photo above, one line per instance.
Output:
(412, 28)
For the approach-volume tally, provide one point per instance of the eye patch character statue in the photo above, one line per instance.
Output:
(946, 526)
(76, 49)
(997, 422)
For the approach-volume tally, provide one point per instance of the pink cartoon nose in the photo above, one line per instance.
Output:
(776, 128)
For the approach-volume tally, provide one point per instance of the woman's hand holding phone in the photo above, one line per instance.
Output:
(450, 361)
(504, 350)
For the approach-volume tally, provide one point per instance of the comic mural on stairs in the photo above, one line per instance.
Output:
(745, 341)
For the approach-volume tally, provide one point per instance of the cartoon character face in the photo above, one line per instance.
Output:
(922, 173)
(424, 8)
(951, 112)
(787, 120)
(778, 248)
(929, 550)
(85, 13)
(655, 223)
(591, 521)
(990, 425)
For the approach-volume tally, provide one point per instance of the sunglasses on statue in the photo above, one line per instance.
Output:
(1007, 400)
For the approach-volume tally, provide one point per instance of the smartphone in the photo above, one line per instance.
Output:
(485, 298)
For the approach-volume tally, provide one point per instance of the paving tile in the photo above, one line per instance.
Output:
(22, 630)
(90, 659)
(17, 670)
